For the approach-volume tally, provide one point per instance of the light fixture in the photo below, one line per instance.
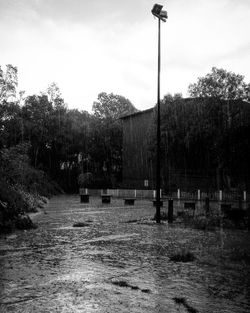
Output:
(159, 13)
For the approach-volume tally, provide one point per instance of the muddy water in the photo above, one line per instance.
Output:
(114, 266)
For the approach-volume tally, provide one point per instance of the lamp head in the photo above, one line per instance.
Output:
(164, 14)
(157, 11)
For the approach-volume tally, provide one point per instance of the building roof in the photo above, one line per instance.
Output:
(136, 113)
(182, 99)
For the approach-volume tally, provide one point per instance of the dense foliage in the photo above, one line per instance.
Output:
(63, 142)
(221, 84)
(44, 146)
(207, 137)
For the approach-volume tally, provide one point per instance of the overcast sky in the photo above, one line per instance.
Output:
(90, 46)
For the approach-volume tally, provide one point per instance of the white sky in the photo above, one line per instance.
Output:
(90, 46)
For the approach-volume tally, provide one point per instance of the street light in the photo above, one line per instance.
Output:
(159, 13)
(162, 16)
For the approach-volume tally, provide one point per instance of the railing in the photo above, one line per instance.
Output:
(181, 195)
(120, 193)
(131, 193)
(213, 196)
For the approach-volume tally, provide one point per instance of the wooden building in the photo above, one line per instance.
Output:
(138, 170)
(193, 164)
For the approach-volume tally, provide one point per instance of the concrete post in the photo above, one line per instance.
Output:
(220, 195)
(244, 196)
(178, 194)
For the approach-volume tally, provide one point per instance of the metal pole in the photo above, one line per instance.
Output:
(170, 211)
(158, 153)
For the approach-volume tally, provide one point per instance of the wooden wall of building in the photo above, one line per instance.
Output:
(138, 171)
(186, 168)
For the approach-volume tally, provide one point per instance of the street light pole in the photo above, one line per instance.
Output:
(158, 141)
(161, 15)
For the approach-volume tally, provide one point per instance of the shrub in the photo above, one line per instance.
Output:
(16, 170)
(16, 203)
(85, 180)
(24, 222)
(21, 186)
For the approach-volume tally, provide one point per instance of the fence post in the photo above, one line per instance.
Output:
(160, 193)
(154, 193)
(170, 211)
(207, 206)
(240, 202)
(199, 194)
(220, 195)
(178, 194)
(135, 193)
(244, 196)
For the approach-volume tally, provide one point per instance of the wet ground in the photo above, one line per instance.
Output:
(116, 265)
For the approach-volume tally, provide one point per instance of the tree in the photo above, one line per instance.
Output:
(106, 134)
(206, 137)
(37, 113)
(53, 92)
(8, 83)
(169, 98)
(220, 84)
(10, 124)
(10, 112)
(55, 96)
(112, 106)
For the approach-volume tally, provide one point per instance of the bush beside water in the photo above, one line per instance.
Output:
(14, 206)
(23, 189)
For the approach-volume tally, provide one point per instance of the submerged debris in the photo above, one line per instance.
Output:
(130, 221)
(183, 301)
(182, 256)
(80, 224)
(122, 283)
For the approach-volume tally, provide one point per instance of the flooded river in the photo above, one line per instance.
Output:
(116, 265)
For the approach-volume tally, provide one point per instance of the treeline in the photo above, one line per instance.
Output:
(207, 138)
(62, 140)
(45, 147)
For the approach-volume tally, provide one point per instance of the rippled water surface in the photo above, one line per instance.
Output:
(115, 266)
